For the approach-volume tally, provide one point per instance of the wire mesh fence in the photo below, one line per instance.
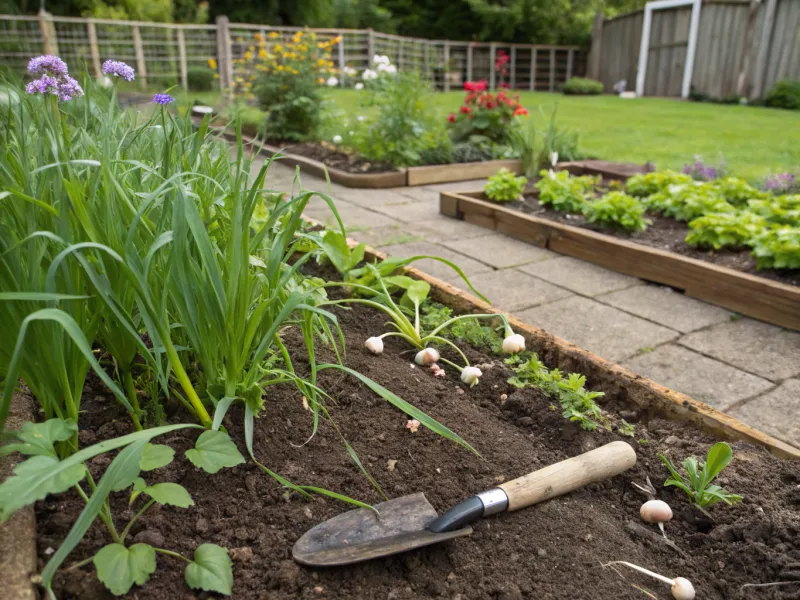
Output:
(164, 54)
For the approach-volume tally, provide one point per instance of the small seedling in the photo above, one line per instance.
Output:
(698, 487)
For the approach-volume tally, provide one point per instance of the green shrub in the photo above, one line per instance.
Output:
(564, 192)
(738, 191)
(440, 152)
(465, 152)
(200, 79)
(784, 94)
(781, 210)
(646, 184)
(778, 248)
(617, 210)
(725, 230)
(504, 186)
(292, 104)
(580, 86)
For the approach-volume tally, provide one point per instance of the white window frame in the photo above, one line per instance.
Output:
(644, 48)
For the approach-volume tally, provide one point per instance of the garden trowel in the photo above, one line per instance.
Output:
(411, 522)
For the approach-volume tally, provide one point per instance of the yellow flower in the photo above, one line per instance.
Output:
(212, 63)
(277, 48)
(273, 34)
(320, 81)
(321, 62)
(280, 68)
(216, 75)
(259, 37)
(248, 84)
(262, 54)
(248, 55)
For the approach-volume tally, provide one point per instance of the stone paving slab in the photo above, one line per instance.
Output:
(458, 186)
(698, 376)
(667, 307)
(766, 350)
(500, 251)
(579, 276)
(438, 269)
(601, 329)
(373, 198)
(389, 235)
(512, 290)
(775, 412)
(352, 216)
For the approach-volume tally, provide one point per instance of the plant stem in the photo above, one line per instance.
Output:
(186, 384)
(127, 529)
(173, 554)
(666, 580)
(130, 390)
(104, 516)
(80, 563)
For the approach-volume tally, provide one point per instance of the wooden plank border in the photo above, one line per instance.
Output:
(617, 382)
(747, 294)
(460, 171)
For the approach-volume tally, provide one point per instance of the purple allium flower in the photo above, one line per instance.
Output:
(69, 89)
(44, 85)
(118, 68)
(47, 64)
(163, 99)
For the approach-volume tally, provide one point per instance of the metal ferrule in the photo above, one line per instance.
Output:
(494, 501)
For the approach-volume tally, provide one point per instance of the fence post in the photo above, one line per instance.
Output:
(427, 60)
(593, 71)
(492, 74)
(400, 56)
(744, 61)
(446, 66)
(570, 58)
(763, 50)
(48, 30)
(91, 32)
(141, 67)
(224, 58)
(341, 58)
(534, 58)
(182, 59)
(552, 87)
(370, 46)
(513, 67)
(469, 62)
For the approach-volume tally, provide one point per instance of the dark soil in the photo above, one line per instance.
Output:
(332, 156)
(553, 550)
(665, 234)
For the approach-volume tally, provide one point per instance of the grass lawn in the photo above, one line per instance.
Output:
(753, 141)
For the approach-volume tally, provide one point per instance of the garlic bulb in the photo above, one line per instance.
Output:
(514, 343)
(682, 589)
(470, 375)
(374, 345)
(428, 356)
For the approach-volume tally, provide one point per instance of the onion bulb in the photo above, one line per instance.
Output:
(428, 356)
(374, 345)
(656, 511)
(470, 375)
(513, 344)
(682, 588)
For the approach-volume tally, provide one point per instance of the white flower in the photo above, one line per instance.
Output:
(350, 132)
(380, 59)
(514, 343)
(332, 81)
(359, 86)
(359, 117)
(369, 74)
(554, 158)
(373, 344)
(428, 356)
(387, 68)
(470, 375)
(337, 139)
(349, 71)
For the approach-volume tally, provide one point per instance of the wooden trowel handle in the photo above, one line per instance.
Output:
(568, 475)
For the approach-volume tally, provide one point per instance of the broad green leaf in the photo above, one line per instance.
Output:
(37, 439)
(211, 570)
(33, 480)
(170, 494)
(119, 567)
(418, 291)
(213, 451)
(717, 459)
(401, 281)
(407, 408)
(691, 466)
(155, 456)
(128, 459)
(337, 250)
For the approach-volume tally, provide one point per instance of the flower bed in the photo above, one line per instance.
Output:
(730, 278)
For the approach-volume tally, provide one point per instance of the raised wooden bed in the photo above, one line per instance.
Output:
(18, 536)
(747, 294)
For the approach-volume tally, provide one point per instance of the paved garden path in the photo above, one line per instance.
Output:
(744, 367)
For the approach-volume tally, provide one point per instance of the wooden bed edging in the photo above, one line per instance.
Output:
(747, 294)
(460, 171)
(18, 559)
(616, 381)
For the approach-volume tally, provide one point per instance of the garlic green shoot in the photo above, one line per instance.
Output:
(700, 475)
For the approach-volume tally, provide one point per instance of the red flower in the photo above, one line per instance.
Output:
(504, 85)
(466, 109)
(490, 105)
(475, 86)
(451, 118)
(521, 111)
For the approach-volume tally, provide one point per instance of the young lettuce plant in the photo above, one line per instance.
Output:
(698, 486)
(119, 565)
(503, 186)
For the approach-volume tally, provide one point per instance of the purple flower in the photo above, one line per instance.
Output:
(44, 85)
(118, 68)
(69, 89)
(47, 64)
(163, 99)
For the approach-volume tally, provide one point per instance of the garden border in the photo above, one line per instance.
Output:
(750, 295)
(604, 375)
